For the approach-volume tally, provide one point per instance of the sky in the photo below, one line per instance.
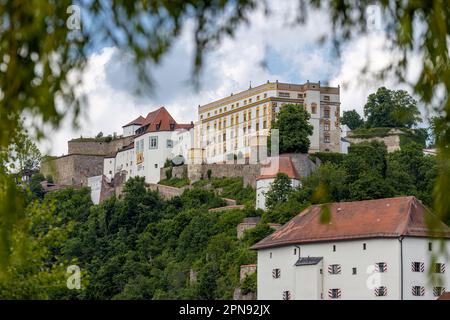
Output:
(268, 48)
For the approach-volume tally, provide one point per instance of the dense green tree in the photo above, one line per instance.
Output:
(294, 128)
(258, 233)
(36, 271)
(364, 157)
(391, 108)
(352, 119)
(370, 185)
(279, 190)
(26, 92)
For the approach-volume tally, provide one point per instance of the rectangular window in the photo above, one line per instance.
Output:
(299, 95)
(326, 138)
(438, 291)
(326, 113)
(354, 271)
(265, 95)
(334, 293)
(169, 143)
(334, 269)
(295, 251)
(326, 98)
(417, 267)
(364, 246)
(418, 291)
(327, 126)
(439, 268)
(430, 246)
(153, 142)
(264, 124)
(276, 273)
(156, 165)
(284, 94)
(286, 295)
(381, 291)
(381, 267)
(271, 255)
(334, 248)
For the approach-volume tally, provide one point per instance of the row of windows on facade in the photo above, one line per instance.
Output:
(245, 129)
(248, 114)
(381, 291)
(152, 144)
(364, 247)
(380, 267)
(282, 95)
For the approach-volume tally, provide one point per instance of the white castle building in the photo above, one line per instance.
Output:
(157, 137)
(229, 129)
(374, 249)
(238, 125)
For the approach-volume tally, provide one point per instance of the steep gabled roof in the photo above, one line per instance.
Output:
(275, 165)
(138, 122)
(160, 120)
(382, 218)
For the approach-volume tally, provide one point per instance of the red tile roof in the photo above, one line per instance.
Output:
(275, 165)
(186, 126)
(138, 121)
(160, 120)
(382, 218)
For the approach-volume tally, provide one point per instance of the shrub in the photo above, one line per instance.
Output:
(168, 173)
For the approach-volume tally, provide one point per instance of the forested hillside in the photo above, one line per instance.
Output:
(138, 247)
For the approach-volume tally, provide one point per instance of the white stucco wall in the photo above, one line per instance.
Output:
(416, 250)
(154, 158)
(95, 183)
(263, 186)
(313, 96)
(125, 161)
(349, 254)
(130, 130)
(109, 165)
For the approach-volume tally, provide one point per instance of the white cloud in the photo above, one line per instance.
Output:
(269, 48)
(109, 80)
(369, 51)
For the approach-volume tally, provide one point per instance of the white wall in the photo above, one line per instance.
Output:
(308, 282)
(416, 250)
(154, 159)
(313, 96)
(350, 254)
(109, 165)
(263, 186)
(130, 130)
(125, 161)
(95, 183)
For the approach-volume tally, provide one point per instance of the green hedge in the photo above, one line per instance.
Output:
(333, 157)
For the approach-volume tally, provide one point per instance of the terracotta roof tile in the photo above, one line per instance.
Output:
(382, 218)
(275, 165)
(158, 120)
(138, 121)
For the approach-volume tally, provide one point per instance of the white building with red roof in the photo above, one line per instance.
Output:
(269, 170)
(374, 249)
(157, 138)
